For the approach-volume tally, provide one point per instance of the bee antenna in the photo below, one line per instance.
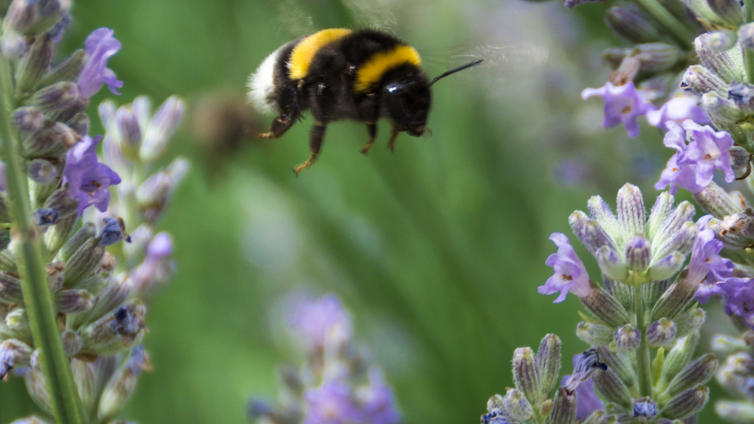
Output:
(454, 70)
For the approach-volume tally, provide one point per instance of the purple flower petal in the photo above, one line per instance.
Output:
(314, 319)
(569, 272)
(623, 104)
(100, 46)
(677, 110)
(87, 179)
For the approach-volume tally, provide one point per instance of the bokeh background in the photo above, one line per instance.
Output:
(437, 249)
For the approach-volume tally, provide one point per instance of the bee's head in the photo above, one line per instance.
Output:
(406, 99)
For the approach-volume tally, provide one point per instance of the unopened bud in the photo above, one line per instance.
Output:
(564, 410)
(699, 80)
(84, 261)
(742, 94)
(71, 343)
(74, 301)
(631, 23)
(525, 374)
(675, 298)
(114, 332)
(59, 101)
(730, 11)
(696, 373)
(679, 356)
(594, 334)
(79, 123)
(627, 338)
(726, 345)
(645, 409)
(715, 200)
(661, 333)
(686, 404)
(17, 323)
(657, 57)
(67, 70)
(548, 362)
(43, 171)
(21, 15)
(516, 406)
(34, 64)
(638, 254)
(161, 128)
(44, 217)
(13, 354)
(10, 288)
(746, 36)
(620, 363)
(588, 231)
(735, 411)
(605, 307)
(122, 385)
(689, 321)
(28, 119)
(87, 231)
(719, 62)
(612, 388)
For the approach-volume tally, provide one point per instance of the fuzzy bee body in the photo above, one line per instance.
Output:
(337, 73)
(342, 74)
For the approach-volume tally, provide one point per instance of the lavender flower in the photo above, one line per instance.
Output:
(623, 104)
(569, 275)
(677, 109)
(331, 403)
(156, 266)
(88, 179)
(694, 164)
(314, 320)
(100, 46)
(377, 403)
(739, 294)
(707, 264)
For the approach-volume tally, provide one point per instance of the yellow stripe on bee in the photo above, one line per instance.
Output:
(303, 53)
(373, 69)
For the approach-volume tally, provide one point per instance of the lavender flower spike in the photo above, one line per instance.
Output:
(569, 275)
(100, 46)
(623, 103)
(314, 320)
(87, 179)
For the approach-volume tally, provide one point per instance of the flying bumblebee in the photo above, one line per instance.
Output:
(343, 74)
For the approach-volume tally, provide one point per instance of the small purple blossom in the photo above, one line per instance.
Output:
(157, 265)
(739, 295)
(331, 403)
(88, 180)
(314, 319)
(569, 275)
(677, 109)
(694, 164)
(377, 403)
(100, 46)
(623, 104)
(707, 264)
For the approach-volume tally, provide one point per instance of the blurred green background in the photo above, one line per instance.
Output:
(437, 249)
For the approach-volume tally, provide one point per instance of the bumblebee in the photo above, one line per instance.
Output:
(339, 74)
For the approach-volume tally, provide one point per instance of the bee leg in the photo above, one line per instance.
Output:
(372, 130)
(315, 143)
(393, 136)
(279, 126)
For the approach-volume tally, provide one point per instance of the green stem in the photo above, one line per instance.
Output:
(642, 353)
(40, 310)
(677, 29)
(748, 53)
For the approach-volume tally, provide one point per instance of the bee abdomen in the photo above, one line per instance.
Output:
(262, 86)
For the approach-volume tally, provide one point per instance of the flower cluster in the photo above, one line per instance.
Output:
(99, 275)
(336, 385)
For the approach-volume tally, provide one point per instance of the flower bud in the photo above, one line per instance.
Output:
(67, 70)
(726, 345)
(605, 307)
(627, 338)
(36, 387)
(50, 141)
(740, 161)
(87, 231)
(678, 357)
(548, 362)
(699, 80)
(44, 217)
(122, 385)
(55, 98)
(687, 403)
(735, 411)
(86, 380)
(742, 94)
(645, 409)
(34, 64)
(657, 57)
(723, 39)
(665, 268)
(71, 342)
(588, 231)
(494, 402)
(79, 123)
(43, 171)
(114, 332)
(112, 232)
(597, 417)
(10, 288)
(613, 57)
(155, 192)
(525, 374)
(564, 410)
(631, 212)
(680, 242)
(696, 373)
(622, 292)
(729, 11)
(718, 202)
(13, 354)
(723, 113)
(689, 321)
(56, 235)
(661, 333)
(84, 261)
(638, 254)
(74, 301)
(21, 15)
(612, 388)
(601, 212)
(594, 334)
(17, 323)
(516, 406)
(7, 264)
(611, 264)
(28, 119)
(631, 24)
(719, 62)
(675, 298)
(620, 364)
(703, 12)
(746, 36)
(161, 128)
